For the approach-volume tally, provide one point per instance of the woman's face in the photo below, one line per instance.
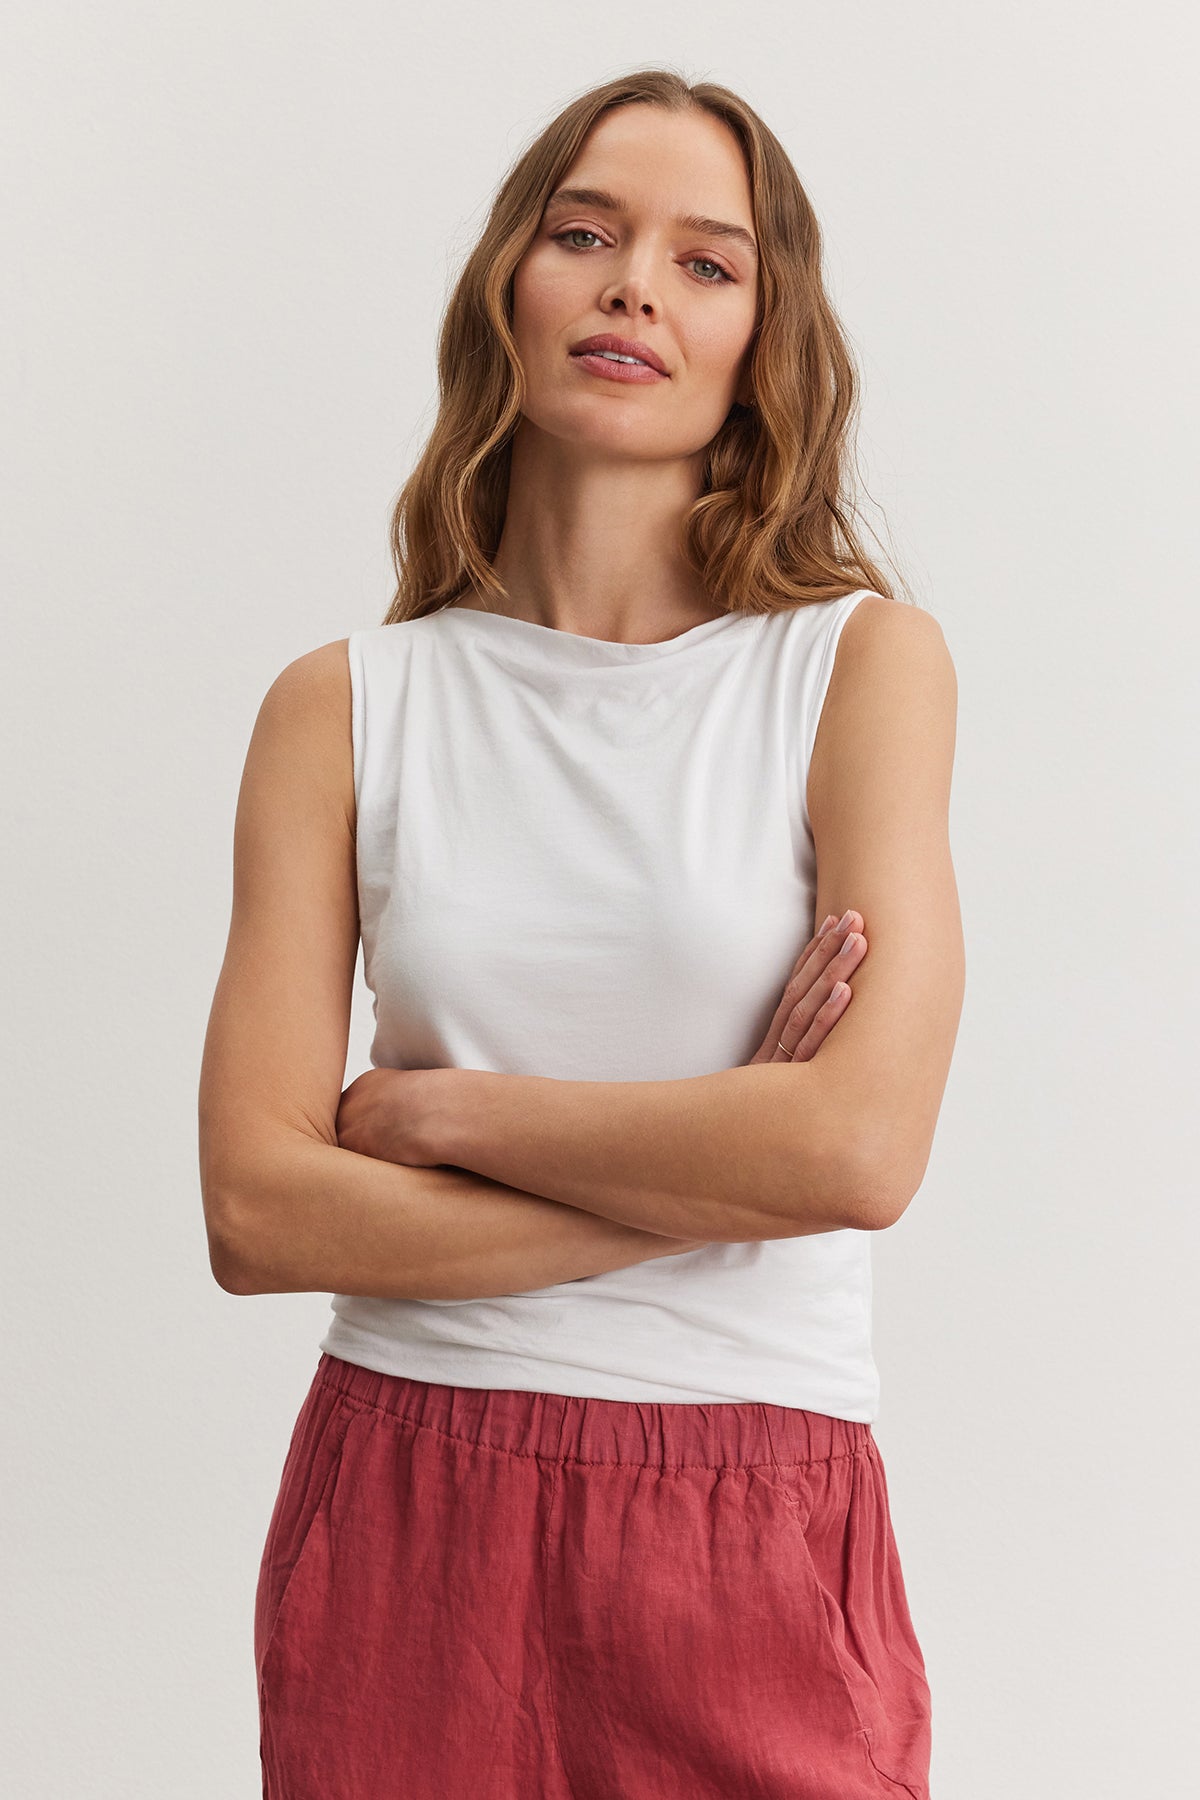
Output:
(646, 262)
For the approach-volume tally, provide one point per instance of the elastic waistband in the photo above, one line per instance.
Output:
(572, 1428)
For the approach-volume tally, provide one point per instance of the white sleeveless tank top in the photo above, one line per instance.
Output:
(594, 861)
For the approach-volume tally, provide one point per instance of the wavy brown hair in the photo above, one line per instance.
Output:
(775, 523)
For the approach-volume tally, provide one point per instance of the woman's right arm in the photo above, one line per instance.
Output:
(286, 1209)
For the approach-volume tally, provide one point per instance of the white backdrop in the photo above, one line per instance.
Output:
(230, 231)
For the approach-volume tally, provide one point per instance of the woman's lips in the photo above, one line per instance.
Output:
(617, 371)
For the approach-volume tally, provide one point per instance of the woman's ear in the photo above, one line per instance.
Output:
(745, 391)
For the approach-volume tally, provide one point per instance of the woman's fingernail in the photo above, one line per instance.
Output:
(830, 921)
(845, 919)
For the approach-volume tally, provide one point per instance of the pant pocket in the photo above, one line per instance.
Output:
(306, 1491)
(841, 1511)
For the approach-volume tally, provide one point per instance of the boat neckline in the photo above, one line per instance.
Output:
(553, 638)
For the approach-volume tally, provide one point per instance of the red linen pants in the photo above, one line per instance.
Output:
(494, 1594)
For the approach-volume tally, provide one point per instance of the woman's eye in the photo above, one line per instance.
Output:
(721, 275)
(574, 231)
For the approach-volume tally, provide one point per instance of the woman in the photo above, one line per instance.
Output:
(584, 1499)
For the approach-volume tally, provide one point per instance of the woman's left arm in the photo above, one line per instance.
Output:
(778, 1150)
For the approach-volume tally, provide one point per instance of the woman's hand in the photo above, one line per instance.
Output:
(389, 1113)
(817, 992)
(392, 1114)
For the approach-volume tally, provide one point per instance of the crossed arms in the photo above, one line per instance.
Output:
(529, 1181)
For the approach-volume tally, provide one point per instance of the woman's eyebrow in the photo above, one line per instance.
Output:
(605, 202)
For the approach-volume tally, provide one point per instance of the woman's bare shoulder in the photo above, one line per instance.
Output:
(318, 677)
(306, 715)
